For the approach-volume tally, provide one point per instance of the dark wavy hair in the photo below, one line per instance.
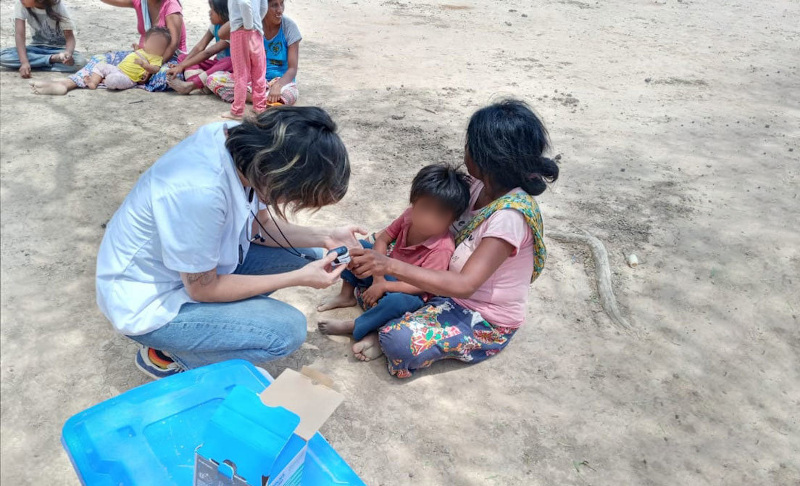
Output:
(506, 141)
(48, 6)
(221, 7)
(292, 156)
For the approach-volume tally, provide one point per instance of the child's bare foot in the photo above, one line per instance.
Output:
(230, 116)
(90, 82)
(94, 81)
(182, 87)
(341, 300)
(336, 327)
(52, 88)
(368, 348)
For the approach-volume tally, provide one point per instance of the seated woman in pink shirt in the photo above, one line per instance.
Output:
(499, 252)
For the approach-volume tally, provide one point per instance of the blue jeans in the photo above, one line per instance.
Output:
(39, 58)
(392, 305)
(258, 329)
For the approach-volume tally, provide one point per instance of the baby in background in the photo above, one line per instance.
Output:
(421, 236)
(137, 67)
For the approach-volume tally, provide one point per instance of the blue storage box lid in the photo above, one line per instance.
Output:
(148, 435)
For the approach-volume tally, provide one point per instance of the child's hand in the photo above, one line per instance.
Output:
(135, 47)
(139, 61)
(174, 71)
(372, 295)
(25, 70)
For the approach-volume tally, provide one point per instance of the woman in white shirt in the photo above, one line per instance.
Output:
(178, 270)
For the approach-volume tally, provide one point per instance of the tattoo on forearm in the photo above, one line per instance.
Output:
(204, 278)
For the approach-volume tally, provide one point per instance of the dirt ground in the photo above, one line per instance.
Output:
(678, 126)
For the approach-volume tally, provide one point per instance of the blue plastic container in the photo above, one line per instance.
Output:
(148, 435)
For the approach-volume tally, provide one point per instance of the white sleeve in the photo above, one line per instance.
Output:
(190, 225)
(20, 12)
(247, 14)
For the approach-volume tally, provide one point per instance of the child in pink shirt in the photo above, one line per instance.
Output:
(420, 237)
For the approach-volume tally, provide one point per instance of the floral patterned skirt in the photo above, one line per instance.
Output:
(440, 330)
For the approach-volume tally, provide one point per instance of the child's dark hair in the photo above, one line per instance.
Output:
(506, 141)
(159, 31)
(292, 157)
(48, 6)
(221, 7)
(444, 183)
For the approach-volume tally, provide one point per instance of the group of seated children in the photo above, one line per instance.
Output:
(420, 236)
(238, 56)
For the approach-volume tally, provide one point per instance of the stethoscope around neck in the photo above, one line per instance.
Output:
(260, 238)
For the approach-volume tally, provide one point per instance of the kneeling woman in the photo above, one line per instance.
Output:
(185, 267)
(499, 250)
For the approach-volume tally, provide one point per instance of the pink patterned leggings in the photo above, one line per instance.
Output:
(249, 68)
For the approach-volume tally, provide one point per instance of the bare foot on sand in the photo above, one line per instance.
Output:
(337, 302)
(336, 327)
(52, 88)
(368, 348)
(231, 116)
(182, 87)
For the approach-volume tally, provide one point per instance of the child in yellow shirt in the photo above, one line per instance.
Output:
(137, 66)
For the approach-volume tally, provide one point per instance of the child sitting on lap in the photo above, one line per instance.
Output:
(137, 67)
(439, 194)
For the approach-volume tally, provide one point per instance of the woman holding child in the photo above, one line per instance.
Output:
(189, 259)
(499, 251)
(167, 14)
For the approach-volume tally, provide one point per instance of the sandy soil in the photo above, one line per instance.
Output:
(678, 125)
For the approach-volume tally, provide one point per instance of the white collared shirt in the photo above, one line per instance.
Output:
(188, 213)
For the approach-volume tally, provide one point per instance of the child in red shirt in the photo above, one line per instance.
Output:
(421, 236)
